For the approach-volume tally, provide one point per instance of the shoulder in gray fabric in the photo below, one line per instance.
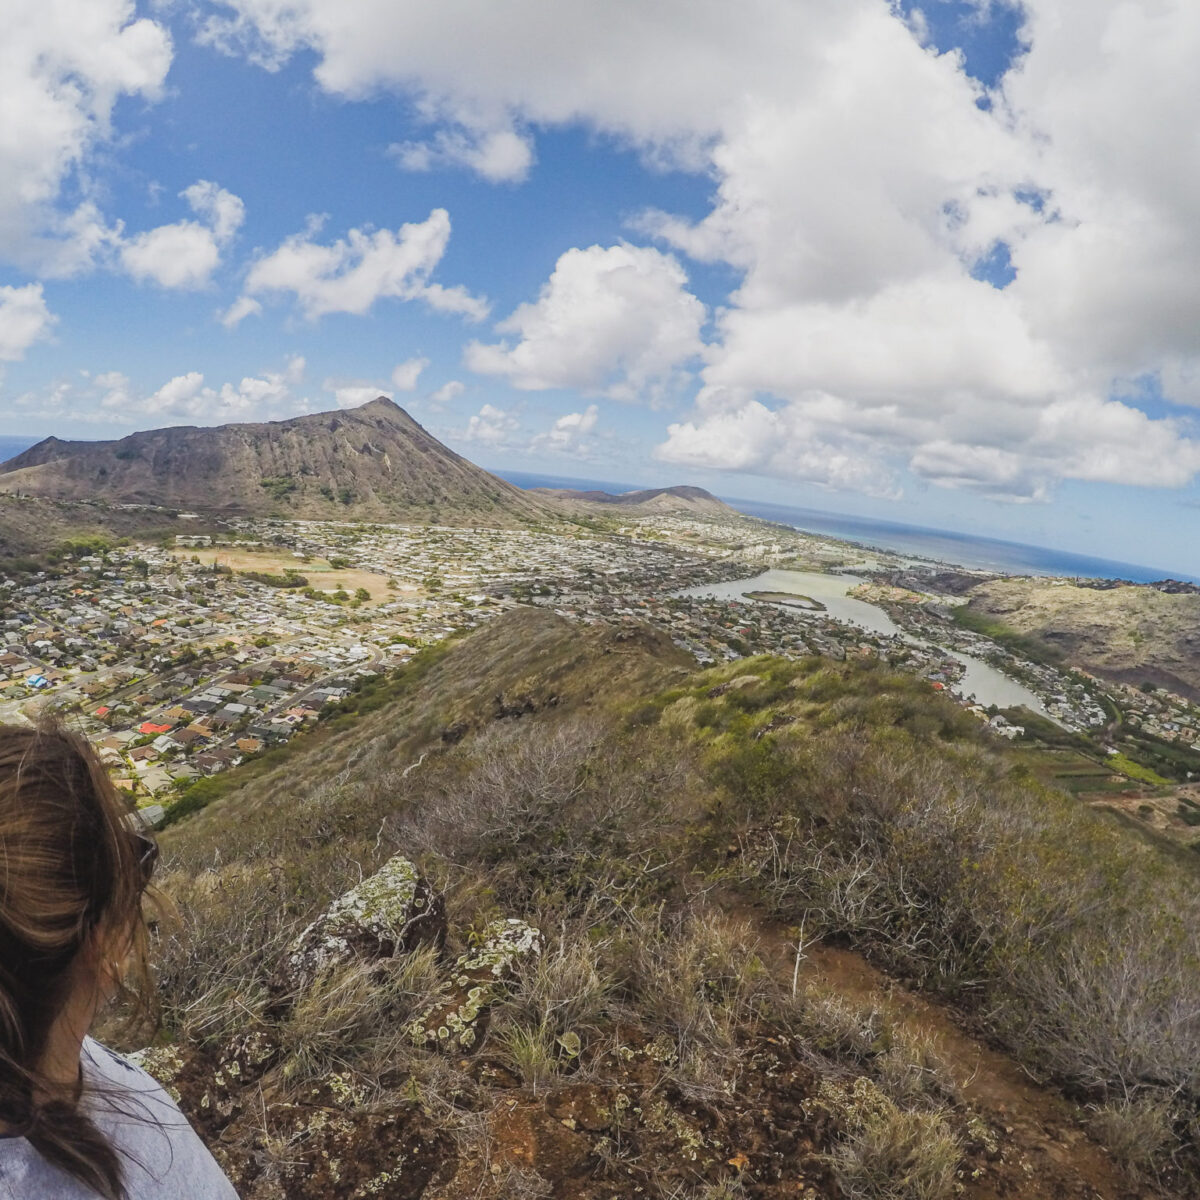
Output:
(164, 1159)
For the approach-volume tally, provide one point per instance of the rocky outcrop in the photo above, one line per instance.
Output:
(477, 981)
(389, 913)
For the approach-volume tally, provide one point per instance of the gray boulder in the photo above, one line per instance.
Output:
(391, 912)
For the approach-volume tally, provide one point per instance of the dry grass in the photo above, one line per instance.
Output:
(621, 840)
(885, 1152)
(319, 572)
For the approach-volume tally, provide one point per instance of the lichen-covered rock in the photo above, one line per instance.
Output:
(209, 1088)
(478, 980)
(248, 1056)
(162, 1063)
(391, 912)
(354, 1155)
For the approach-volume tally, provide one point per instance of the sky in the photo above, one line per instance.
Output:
(934, 264)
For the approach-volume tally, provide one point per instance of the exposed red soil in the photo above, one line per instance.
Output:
(1044, 1152)
(631, 1130)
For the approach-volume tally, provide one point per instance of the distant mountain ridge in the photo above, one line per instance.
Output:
(373, 462)
(681, 498)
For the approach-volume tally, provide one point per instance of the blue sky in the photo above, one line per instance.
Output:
(932, 263)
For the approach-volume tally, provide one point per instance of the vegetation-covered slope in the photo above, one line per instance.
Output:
(1131, 634)
(374, 461)
(31, 528)
(692, 848)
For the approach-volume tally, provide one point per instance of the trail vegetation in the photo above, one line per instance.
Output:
(805, 930)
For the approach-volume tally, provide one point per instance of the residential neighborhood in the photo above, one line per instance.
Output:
(182, 660)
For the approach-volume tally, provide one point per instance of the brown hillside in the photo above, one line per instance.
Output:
(371, 462)
(681, 499)
(1133, 634)
(31, 526)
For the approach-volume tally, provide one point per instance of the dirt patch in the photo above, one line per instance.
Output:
(1174, 815)
(318, 571)
(1044, 1150)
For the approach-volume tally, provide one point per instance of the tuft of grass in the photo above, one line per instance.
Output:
(1139, 1132)
(885, 1152)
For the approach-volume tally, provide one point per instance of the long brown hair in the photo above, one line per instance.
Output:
(69, 872)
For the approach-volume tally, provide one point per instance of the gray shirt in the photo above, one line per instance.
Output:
(162, 1156)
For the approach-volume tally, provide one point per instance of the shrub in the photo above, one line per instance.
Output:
(1138, 1132)
(886, 1152)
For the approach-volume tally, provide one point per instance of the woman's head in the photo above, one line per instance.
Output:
(72, 874)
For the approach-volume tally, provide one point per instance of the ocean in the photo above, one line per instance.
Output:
(10, 447)
(943, 545)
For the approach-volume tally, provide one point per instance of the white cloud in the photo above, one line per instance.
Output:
(64, 64)
(569, 433)
(256, 397)
(617, 320)
(24, 319)
(223, 211)
(115, 391)
(499, 155)
(746, 435)
(492, 426)
(239, 310)
(173, 256)
(859, 178)
(406, 374)
(350, 275)
(447, 393)
(352, 395)
(185, 254)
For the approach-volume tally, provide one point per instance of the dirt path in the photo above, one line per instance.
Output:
(1044, 1152)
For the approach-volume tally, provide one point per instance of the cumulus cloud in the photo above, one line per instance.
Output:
(223, 211)
(352, 273)
(742, 434)
(616, 320)
(24, 319)
(569, 433)
(269, 395)
(449, 391)
(499, 155)
(173, 256)
(492, 426)
(185, 254)
(406, 374)
(65, 66)
(352, 395)
(861, 180)
(239, 310)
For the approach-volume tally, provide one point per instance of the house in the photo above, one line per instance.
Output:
(150, 816)
(156, 780)
(212, 761)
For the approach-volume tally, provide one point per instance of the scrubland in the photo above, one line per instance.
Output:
(702, 852)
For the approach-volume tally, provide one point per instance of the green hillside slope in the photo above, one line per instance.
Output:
(722, 893)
